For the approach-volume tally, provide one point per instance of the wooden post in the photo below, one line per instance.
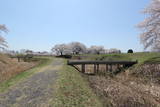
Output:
(94, 68)
(110, 67)
(19, 59)
(118, 67)
(97, 68)
(106, 67)
(83, 68)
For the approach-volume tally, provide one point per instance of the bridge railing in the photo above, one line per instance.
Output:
(79, 62)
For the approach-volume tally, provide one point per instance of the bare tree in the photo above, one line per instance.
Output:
(96, 50)
(60, 49)
(150, 36)
(3, 43)
(77, 47)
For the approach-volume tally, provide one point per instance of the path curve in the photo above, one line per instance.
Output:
(35, 91)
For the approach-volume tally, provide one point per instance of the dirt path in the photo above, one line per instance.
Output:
(35, 91)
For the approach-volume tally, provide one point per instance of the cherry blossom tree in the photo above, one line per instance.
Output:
(60, 49)
(96, 50)
(114, 50)
(77, 47)
(150, 36)
(3, 43)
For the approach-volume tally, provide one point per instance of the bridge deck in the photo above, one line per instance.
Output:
(79, 62)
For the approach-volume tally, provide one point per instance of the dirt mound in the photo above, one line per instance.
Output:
(10, 67)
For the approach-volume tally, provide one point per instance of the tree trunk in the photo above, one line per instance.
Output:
(61, 53)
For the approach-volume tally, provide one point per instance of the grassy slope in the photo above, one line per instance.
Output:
(72, 90)
(141, 57)
(6, 84)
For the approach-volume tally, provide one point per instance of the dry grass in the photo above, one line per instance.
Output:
(135, 88)
(147, 73)
(11, 67)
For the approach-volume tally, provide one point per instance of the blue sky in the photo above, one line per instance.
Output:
(40, 24)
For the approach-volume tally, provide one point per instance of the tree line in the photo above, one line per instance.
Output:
(75, 48)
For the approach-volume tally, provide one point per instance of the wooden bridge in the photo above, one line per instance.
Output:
(108, 64)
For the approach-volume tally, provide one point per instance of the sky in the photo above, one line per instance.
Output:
(40, 24)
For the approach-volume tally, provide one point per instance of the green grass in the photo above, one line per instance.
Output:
(72, 90)
(141, 57)
(8, 83)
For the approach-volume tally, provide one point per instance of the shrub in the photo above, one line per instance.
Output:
(130, 51)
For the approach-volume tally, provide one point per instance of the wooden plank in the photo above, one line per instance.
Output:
(79, 62)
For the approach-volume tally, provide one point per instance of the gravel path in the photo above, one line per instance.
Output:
(35, 91)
